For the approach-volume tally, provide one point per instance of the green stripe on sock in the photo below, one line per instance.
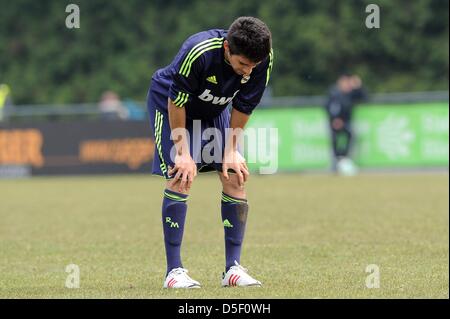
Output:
(174, 197)
(228, 199)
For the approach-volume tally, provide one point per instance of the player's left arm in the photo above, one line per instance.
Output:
(232, 159)
(243, 105)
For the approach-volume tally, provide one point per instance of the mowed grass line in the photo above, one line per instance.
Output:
(308, 236)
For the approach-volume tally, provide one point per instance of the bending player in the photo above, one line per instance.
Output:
(212, 69)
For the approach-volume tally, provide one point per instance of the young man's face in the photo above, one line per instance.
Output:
(240, 64)
(345, 84)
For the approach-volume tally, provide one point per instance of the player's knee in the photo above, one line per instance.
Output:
(232, 187)
(176, 187)
(234, 191)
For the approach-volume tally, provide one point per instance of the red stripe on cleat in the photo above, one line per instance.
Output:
(230, 280)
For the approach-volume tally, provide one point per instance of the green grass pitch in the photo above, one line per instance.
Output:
(308, 236)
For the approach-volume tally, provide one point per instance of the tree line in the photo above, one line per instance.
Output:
(121, 43)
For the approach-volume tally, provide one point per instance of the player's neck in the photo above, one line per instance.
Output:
(225, 57)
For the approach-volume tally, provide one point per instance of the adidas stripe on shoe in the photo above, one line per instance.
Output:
(178, 278)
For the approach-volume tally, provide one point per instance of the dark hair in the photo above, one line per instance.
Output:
(250, 37)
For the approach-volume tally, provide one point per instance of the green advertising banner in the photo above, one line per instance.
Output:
(413, 135)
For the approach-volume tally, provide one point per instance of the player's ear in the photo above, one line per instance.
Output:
(226, 45)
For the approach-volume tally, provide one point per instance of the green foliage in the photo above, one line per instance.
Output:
(121, 43)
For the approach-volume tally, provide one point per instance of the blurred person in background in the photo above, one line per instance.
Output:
(5, 100)
(111, 107)
(135, 111)
(342, 97)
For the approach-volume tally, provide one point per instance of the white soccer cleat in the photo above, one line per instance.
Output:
(347, 167)
(238, 276)
(178, 278)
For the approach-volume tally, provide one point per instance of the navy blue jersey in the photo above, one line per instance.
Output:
(202, 81)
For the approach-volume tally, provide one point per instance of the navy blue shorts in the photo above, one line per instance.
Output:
(206, 147)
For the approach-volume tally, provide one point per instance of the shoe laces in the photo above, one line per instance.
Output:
(178, 271)
(240, 267)
(183, 272)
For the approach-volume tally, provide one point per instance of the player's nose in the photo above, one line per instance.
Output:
(247, 70)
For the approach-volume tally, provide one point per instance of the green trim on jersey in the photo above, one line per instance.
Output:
(181, 99)
(158, 133)
(198, 50)
(269, 68)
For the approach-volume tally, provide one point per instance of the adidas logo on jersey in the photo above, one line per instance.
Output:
(212, 79)
(208, 97)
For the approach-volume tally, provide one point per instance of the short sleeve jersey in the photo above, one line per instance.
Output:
(202, 81)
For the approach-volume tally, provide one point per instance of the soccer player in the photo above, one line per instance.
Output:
(342, 97)
(185, 99)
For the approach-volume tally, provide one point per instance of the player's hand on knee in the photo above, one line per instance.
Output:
(235, 161)
(185, 171)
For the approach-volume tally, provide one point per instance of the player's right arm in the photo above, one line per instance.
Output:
(189, 65)
(185, 167)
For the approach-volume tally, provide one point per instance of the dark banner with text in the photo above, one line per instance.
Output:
(75, 148)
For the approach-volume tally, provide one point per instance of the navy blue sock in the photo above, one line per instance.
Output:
(234, 218)
(174, 209)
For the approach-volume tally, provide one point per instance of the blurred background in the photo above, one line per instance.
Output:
(72, 100)
(343, 98)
